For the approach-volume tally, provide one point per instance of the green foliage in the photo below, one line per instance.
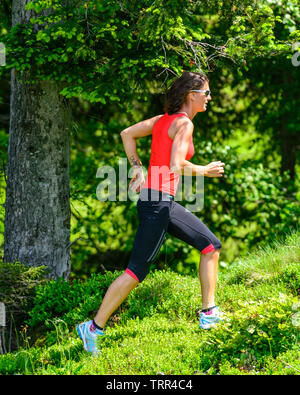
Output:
(290, 274)
(85, 46)
(257, 329)
(157, 331)
(164, 293)
(90, 46)
(168, 293)
(17, 290)
(76, 300)
(248, 194)
(17, 285)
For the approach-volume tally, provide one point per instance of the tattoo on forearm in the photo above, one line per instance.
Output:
(134, 161)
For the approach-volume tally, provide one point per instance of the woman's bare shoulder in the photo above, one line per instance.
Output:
(180, 123)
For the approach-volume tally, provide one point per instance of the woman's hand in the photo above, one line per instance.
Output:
(138, 179)
(214, 169)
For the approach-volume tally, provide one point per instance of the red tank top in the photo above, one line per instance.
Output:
(159, 176)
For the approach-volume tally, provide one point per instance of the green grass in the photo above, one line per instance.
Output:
(156, 329)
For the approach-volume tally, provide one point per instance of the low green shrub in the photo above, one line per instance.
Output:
(164, 292)
(290, 275)
(17, 284)
(157, 330)
(255, 330)
(70, 301)
(17, 291)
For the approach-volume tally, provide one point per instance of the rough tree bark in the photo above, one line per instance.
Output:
(37, 207)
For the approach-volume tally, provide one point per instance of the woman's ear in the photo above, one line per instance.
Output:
(190, 96)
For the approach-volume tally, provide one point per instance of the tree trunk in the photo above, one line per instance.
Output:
(37, 207)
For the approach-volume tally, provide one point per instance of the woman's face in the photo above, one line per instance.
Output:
(200, 99)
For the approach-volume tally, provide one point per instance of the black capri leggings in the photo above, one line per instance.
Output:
(158, 216)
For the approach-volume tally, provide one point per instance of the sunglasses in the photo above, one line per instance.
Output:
(207, 93)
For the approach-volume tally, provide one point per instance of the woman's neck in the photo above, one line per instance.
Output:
(189, 113)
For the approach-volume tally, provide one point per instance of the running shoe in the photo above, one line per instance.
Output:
(209, 319)
(89, 335)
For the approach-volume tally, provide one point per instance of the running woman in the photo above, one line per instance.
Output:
(171, 150)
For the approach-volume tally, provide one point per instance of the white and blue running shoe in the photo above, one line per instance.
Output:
(89, 335)
(208, 321)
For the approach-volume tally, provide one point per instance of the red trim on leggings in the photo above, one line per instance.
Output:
(208, 249)
(128, 271)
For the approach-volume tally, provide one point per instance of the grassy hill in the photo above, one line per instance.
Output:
(156, 330)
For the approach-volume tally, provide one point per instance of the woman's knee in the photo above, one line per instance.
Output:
(213, 250)
(213, 254)
(213, 246)
(138, 276)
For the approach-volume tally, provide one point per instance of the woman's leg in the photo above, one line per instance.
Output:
(208, 270)
(124, 284)
(115, 295)
(153, 216)
(187, 227)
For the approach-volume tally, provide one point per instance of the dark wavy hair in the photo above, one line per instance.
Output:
(180, 87)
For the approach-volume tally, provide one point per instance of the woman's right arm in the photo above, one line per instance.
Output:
(129, 136)
(180, 165)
